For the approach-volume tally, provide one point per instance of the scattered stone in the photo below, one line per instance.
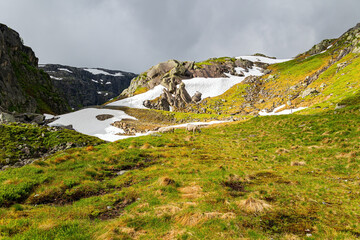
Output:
(122, 172)
(340, 106)
(308, 92)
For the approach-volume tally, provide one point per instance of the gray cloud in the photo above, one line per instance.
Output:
(133, 35)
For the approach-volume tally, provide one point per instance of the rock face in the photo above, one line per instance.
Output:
(171, 73)
(85, 87)
(23, 87)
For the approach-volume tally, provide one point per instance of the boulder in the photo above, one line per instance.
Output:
(6, 117)
(243, 63)
(197, 97)
(183, 94)
(103, 117)
(30, 118)
(162, 68)
(308, 92)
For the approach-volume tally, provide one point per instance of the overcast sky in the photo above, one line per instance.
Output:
(133, 35)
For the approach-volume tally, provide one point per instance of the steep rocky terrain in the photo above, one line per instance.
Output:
(23, 87)
(171, 73)
(85, 87)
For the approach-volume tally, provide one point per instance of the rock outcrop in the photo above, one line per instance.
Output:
(23, 87)
(86, 87)
(171, 73)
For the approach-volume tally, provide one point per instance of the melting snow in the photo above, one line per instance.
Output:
(263, 59)
(56, 78)
(64, 69)
(107, 83)
(284, 112)
(98, 71)
(85, 121)
(137, 100)
(94, 81)
(209, 87)
(48, 116)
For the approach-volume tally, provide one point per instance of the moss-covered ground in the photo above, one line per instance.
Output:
(16, 137)
(280, 177)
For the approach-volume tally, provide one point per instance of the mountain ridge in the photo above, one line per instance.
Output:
(87, 86)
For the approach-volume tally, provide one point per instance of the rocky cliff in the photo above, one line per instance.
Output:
(85, 87)
(23, 87)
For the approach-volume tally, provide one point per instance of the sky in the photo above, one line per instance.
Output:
(133, 35)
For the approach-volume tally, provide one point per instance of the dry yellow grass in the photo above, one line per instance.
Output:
(193, 191)
(167, 210)
(146, 146)
(47, 225)
(296, 163)
(165, 181)
(252, 205)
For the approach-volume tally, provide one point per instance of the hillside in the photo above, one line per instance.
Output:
(321, 78)
(23, 87)
(87, 87)
(258, 175)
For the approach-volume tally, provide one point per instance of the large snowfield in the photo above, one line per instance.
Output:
(85, 120)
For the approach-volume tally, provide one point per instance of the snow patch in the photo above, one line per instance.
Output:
(48, 116)
(284, 112)
(94, 81)
(56, 78)
(65, 70)
(85, 121)
(96, 71)
(107, 83)
(263, 59)
(137, 100)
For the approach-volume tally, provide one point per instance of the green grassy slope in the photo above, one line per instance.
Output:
(281, 177)
(15, 138)
(337, 67)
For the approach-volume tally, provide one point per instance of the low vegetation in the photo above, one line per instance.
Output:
(26, 141)
(282, 177)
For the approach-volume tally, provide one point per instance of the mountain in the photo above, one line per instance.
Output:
(284, 164)
(87, 86)
(23, 87)
(320, 77)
